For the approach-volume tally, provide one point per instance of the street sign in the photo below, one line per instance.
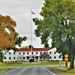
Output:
(66, 60)
(66, 57)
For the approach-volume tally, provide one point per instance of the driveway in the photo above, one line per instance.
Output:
(29, 71)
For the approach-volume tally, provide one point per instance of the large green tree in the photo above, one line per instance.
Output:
(58, 23)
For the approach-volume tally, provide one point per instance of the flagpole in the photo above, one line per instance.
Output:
(31, 29)
(31, 33)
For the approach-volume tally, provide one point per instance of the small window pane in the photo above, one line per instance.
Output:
(23, 52)
(14, 57)
(9, 53)
(54, 57)
(23, 57)
(9, 57)
(19, 52)
(50, 57)
(27, 52)
(50, 52)
(54, 52)
(14, 53)
(36, 52)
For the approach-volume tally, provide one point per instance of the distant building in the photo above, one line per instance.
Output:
(25, 54)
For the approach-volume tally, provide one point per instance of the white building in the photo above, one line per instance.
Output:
(24, 54)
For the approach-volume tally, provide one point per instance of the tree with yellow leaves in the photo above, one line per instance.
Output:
(7, 32)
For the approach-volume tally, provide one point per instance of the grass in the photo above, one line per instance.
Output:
(13, 64)
(42, 63)
(4, 69)
(68, 72)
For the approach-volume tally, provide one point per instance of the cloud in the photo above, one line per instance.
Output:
(19, 10)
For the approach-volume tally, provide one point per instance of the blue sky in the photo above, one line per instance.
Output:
(20, 11)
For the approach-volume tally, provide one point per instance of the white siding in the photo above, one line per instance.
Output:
(24, 56)
(9, 56)
(54, 56)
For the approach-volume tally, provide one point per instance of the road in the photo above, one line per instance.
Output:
(29, 71)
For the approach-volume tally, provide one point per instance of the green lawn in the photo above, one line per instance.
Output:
(68, 72)
(4, 69)
(42, 63)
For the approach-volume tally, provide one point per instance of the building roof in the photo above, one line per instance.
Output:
(34, 49)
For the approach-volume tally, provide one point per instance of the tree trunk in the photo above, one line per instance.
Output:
(71, 55)
(72, 60)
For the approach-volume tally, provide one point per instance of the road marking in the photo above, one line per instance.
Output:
(49, 71)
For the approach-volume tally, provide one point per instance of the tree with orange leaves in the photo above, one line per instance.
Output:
(7, 32)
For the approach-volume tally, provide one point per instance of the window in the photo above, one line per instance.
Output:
(36, 57)
(23, 57)
(40, 52)
(9, 53)
(54, 57)
(23, 53)
(54, 52)
(50, 52)
(19, 52)
(40, 57)
(9, 57)
(36, 52)
(27, 57)
(14, 53)
(14, 57)
(27, 52)
(5, 53)
(50, 57)
(32, 52)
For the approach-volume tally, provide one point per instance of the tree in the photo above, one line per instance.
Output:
(46, 45)
(45, 55)
(19, 39)
(20, 58)
(30, 46)
(7, 31)
(58, 23)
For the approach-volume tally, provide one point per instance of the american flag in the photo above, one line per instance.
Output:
(32, 12)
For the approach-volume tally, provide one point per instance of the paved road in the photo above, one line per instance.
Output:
(29, 71)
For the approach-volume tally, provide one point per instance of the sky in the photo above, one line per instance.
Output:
(20, 11)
